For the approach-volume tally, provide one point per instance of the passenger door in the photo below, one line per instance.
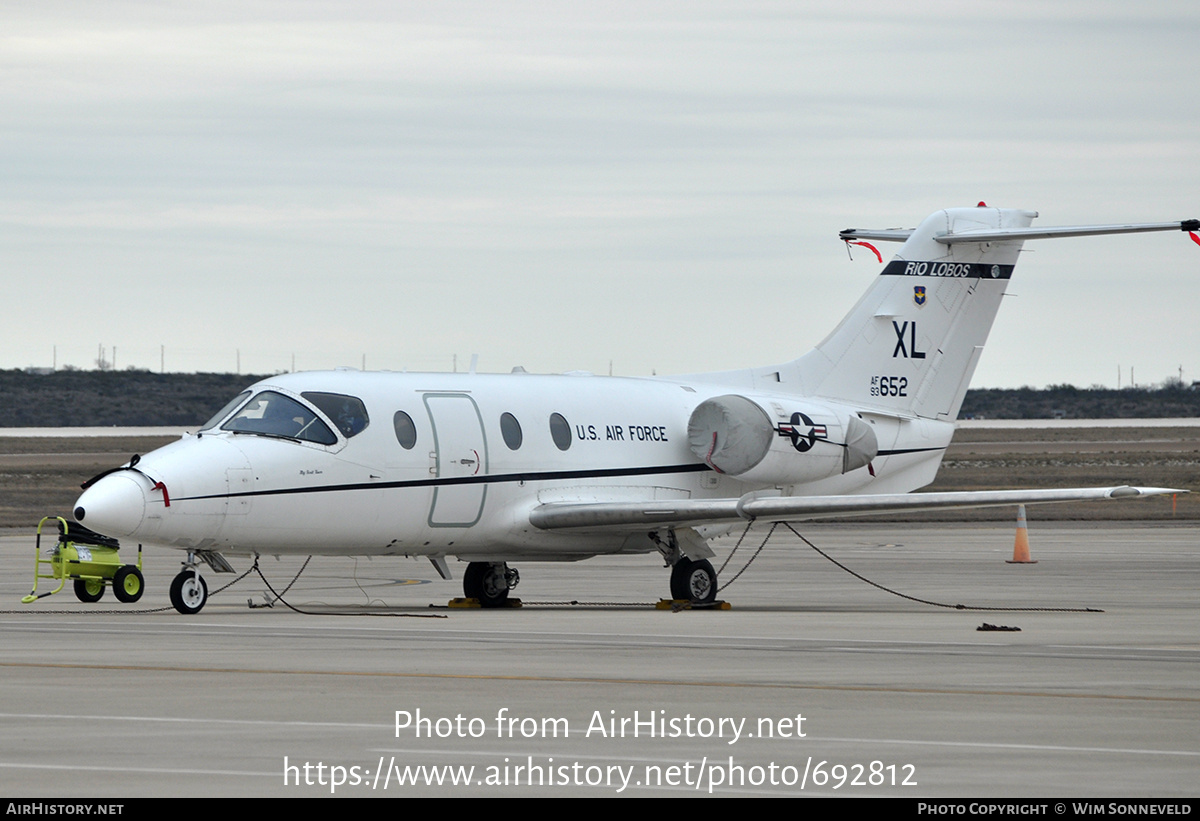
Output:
(460, 460)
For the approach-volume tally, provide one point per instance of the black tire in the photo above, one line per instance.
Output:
(189, 592)
(89, 591)
(486, 583)
(694, 581)
(128, 584)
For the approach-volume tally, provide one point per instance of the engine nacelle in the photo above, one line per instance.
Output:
(779, 440)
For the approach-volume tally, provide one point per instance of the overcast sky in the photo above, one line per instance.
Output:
(562, 186)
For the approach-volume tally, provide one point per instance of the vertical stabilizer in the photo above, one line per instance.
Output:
(911, 344)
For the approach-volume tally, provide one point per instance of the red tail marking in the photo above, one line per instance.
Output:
(869, 246)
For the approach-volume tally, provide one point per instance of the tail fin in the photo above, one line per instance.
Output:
(912, 342)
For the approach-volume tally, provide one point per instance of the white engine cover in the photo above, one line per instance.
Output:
(776, 440)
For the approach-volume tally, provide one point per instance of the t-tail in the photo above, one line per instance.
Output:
(911, 344)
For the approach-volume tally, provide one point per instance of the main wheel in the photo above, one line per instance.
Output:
(128, 584)
(89, 590)
(189, 592)
(694, 581)
(486, 582)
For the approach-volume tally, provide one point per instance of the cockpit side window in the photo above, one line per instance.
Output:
(225, 411)
(347, 412)
(273, 414)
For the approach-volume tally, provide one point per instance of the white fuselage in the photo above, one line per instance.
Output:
(460, 488)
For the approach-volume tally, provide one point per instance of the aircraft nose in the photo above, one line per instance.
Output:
(114, 506)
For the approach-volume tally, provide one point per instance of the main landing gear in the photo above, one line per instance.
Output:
(489, 582)
(692, 580)
(189, 591)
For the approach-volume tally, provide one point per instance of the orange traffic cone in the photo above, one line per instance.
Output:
(1021, 545)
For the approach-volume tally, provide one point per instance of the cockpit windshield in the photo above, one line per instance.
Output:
(273, 414)
(225, 411)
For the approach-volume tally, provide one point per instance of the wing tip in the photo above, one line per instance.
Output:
(1129, 491)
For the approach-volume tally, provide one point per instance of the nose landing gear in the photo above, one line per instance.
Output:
(189, 591)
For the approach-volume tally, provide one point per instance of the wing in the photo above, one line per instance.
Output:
(693, 512)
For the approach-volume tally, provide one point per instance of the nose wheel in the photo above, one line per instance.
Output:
(189, 592)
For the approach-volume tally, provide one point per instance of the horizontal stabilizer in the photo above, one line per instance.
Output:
(1003, 234)
(639, 515)
(1013, 234)
(882, 234)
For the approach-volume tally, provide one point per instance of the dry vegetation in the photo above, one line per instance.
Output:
(991, 458)
(41, 476)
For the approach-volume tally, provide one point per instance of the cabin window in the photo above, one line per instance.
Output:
(560, 431)
(225, 411)
(273, 414)
(347, 412)
(510, 429)
(406, 431)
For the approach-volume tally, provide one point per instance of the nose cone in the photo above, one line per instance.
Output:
(114, 506)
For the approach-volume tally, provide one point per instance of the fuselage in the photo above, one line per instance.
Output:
(379, 463)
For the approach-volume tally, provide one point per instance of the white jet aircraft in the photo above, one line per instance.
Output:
(498, 468)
